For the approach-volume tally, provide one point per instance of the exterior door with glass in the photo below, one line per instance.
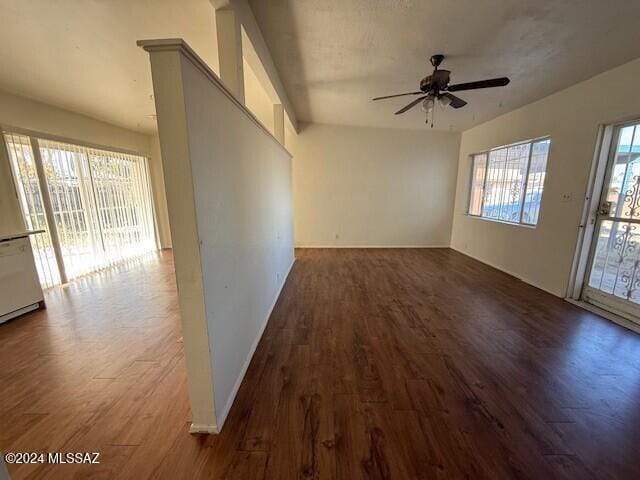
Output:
(613, 279)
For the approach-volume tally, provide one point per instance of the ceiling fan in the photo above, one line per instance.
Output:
(436, 87)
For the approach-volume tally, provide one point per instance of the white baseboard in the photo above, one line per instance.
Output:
(508, 272)
(203, 428)
(372, 246)
(223, 416)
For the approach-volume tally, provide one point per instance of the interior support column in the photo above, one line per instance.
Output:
(229, 34)
(278, 122)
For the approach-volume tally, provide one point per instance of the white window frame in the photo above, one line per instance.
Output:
(56, 267)
(525, 183)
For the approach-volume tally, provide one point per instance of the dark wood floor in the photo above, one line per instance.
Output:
(377, 364)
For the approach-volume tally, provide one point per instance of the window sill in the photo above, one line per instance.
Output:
(503, 222)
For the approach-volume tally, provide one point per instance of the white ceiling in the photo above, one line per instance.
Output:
(335, 55)
(82, 55)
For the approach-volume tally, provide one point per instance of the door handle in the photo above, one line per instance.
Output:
(605, 209)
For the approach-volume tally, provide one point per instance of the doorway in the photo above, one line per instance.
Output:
(612, 276)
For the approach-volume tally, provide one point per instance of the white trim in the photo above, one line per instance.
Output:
(586, 229)
(623, 322)
(487, 154)
(21, 311)
(508, 272)
(223, 415)
(73, 141)
(514, 144)
(373, 246)
(504, 222)
(203, 428)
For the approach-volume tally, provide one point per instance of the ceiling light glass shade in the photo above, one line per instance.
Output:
(444, 101)
(427, 105)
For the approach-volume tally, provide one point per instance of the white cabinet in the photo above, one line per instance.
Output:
(20, 289)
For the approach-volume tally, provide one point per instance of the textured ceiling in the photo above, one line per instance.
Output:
(335, 55)
(82, 55)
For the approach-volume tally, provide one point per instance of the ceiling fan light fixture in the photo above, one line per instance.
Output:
(427, 105)
(444, 101)
(436, 87)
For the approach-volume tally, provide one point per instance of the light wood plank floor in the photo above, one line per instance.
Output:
(377, 364)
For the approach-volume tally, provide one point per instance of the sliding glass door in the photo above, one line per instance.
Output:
(99, 202)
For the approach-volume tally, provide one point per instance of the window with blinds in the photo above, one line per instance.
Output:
(99, 200)
(507, 182)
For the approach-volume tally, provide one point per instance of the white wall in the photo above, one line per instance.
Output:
(543, 255)
(242, 185)
(256, 98)
(356, 186)
(159, 191)
(29, 114)
(229, 191)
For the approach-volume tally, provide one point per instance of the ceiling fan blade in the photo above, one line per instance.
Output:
(398, 95)
(492, 82)
(456, 102)
(411, 105)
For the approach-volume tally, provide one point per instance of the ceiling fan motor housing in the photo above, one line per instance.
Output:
(436, 60)
(437, 80)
